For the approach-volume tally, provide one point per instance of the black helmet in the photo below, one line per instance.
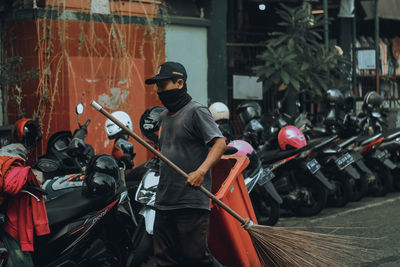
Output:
(334, 97)
(150, 123)
(249, 110)
(372, 99)
(27, 132)
(101, 176)
(349, 100)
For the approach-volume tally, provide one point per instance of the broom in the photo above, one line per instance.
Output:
(275, 246)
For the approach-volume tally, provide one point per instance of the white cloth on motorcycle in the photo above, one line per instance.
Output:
(70, 206)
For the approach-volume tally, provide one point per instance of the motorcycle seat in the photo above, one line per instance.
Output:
(321, 143)
(70, 206)
(364, 140)
(348, 141)
(391, 134)
(272, 156)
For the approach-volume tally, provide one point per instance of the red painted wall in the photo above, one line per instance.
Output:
(82, 61)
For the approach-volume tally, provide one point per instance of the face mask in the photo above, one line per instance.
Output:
(174, 99)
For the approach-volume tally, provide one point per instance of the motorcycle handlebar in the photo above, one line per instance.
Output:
(82, 131)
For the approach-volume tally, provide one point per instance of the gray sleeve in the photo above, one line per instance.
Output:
(204, 125)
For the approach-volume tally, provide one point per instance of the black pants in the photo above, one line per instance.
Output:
(180, 238)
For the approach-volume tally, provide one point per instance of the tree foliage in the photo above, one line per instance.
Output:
(297, 57)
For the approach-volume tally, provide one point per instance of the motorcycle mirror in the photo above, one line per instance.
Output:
(79, 109)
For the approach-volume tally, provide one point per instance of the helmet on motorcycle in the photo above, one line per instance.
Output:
(249, 110)
(349, 100)
(101, 176)
(243, 147)
(372, 99)
(113, 131)
(150, 123)
(220, 114)
(27, 132)
(334, 97)
(292, 137)
(219, 111)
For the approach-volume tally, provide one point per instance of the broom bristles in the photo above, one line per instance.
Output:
(278, 246)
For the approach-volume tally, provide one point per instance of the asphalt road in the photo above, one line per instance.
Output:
(375, 220)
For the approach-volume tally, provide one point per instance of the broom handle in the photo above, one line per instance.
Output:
(166, 160)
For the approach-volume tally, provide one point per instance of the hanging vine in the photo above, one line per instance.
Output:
(100, 33)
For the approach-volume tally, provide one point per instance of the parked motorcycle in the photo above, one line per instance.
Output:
(265, 198)
(73, 163)
(89, 227)
(370, 119)
(258, 181)
(343, 177)
(298, 177)
(345, 167)
(67, 155)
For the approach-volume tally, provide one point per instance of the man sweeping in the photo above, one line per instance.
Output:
(191, 139)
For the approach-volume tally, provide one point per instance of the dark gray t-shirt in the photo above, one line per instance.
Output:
(183, 140)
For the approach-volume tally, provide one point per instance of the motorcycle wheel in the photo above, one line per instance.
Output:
(318, 195)
(267, 210)
(360, 188)
(343, 190)
(383, 183)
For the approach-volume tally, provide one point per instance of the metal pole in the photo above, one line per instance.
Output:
(354, 53)
(326, 25)
(377, 62)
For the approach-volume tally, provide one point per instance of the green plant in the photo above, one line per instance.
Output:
(12, 76)
(11, 72)
(297, 57)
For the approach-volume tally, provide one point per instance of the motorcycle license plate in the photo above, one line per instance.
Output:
(268, 176)
(313, 166)
(344, 161)
(383, 154)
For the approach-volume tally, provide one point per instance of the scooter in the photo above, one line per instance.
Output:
(63, 165)
(258, 180)
(66, 152)
(145, 196)
(72, 158)
(263, 194)
(298, 178)
(378, 161)
(86, 229)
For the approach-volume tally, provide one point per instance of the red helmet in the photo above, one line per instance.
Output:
(291, 136)
(27, 132)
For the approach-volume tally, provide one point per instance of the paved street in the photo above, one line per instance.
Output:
(374, 218)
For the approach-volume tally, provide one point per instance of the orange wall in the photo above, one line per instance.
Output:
(79, 62)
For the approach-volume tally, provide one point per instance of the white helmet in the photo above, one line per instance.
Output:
(112, 129)
(219, 111)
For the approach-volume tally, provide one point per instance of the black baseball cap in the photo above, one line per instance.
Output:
(169, 70)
